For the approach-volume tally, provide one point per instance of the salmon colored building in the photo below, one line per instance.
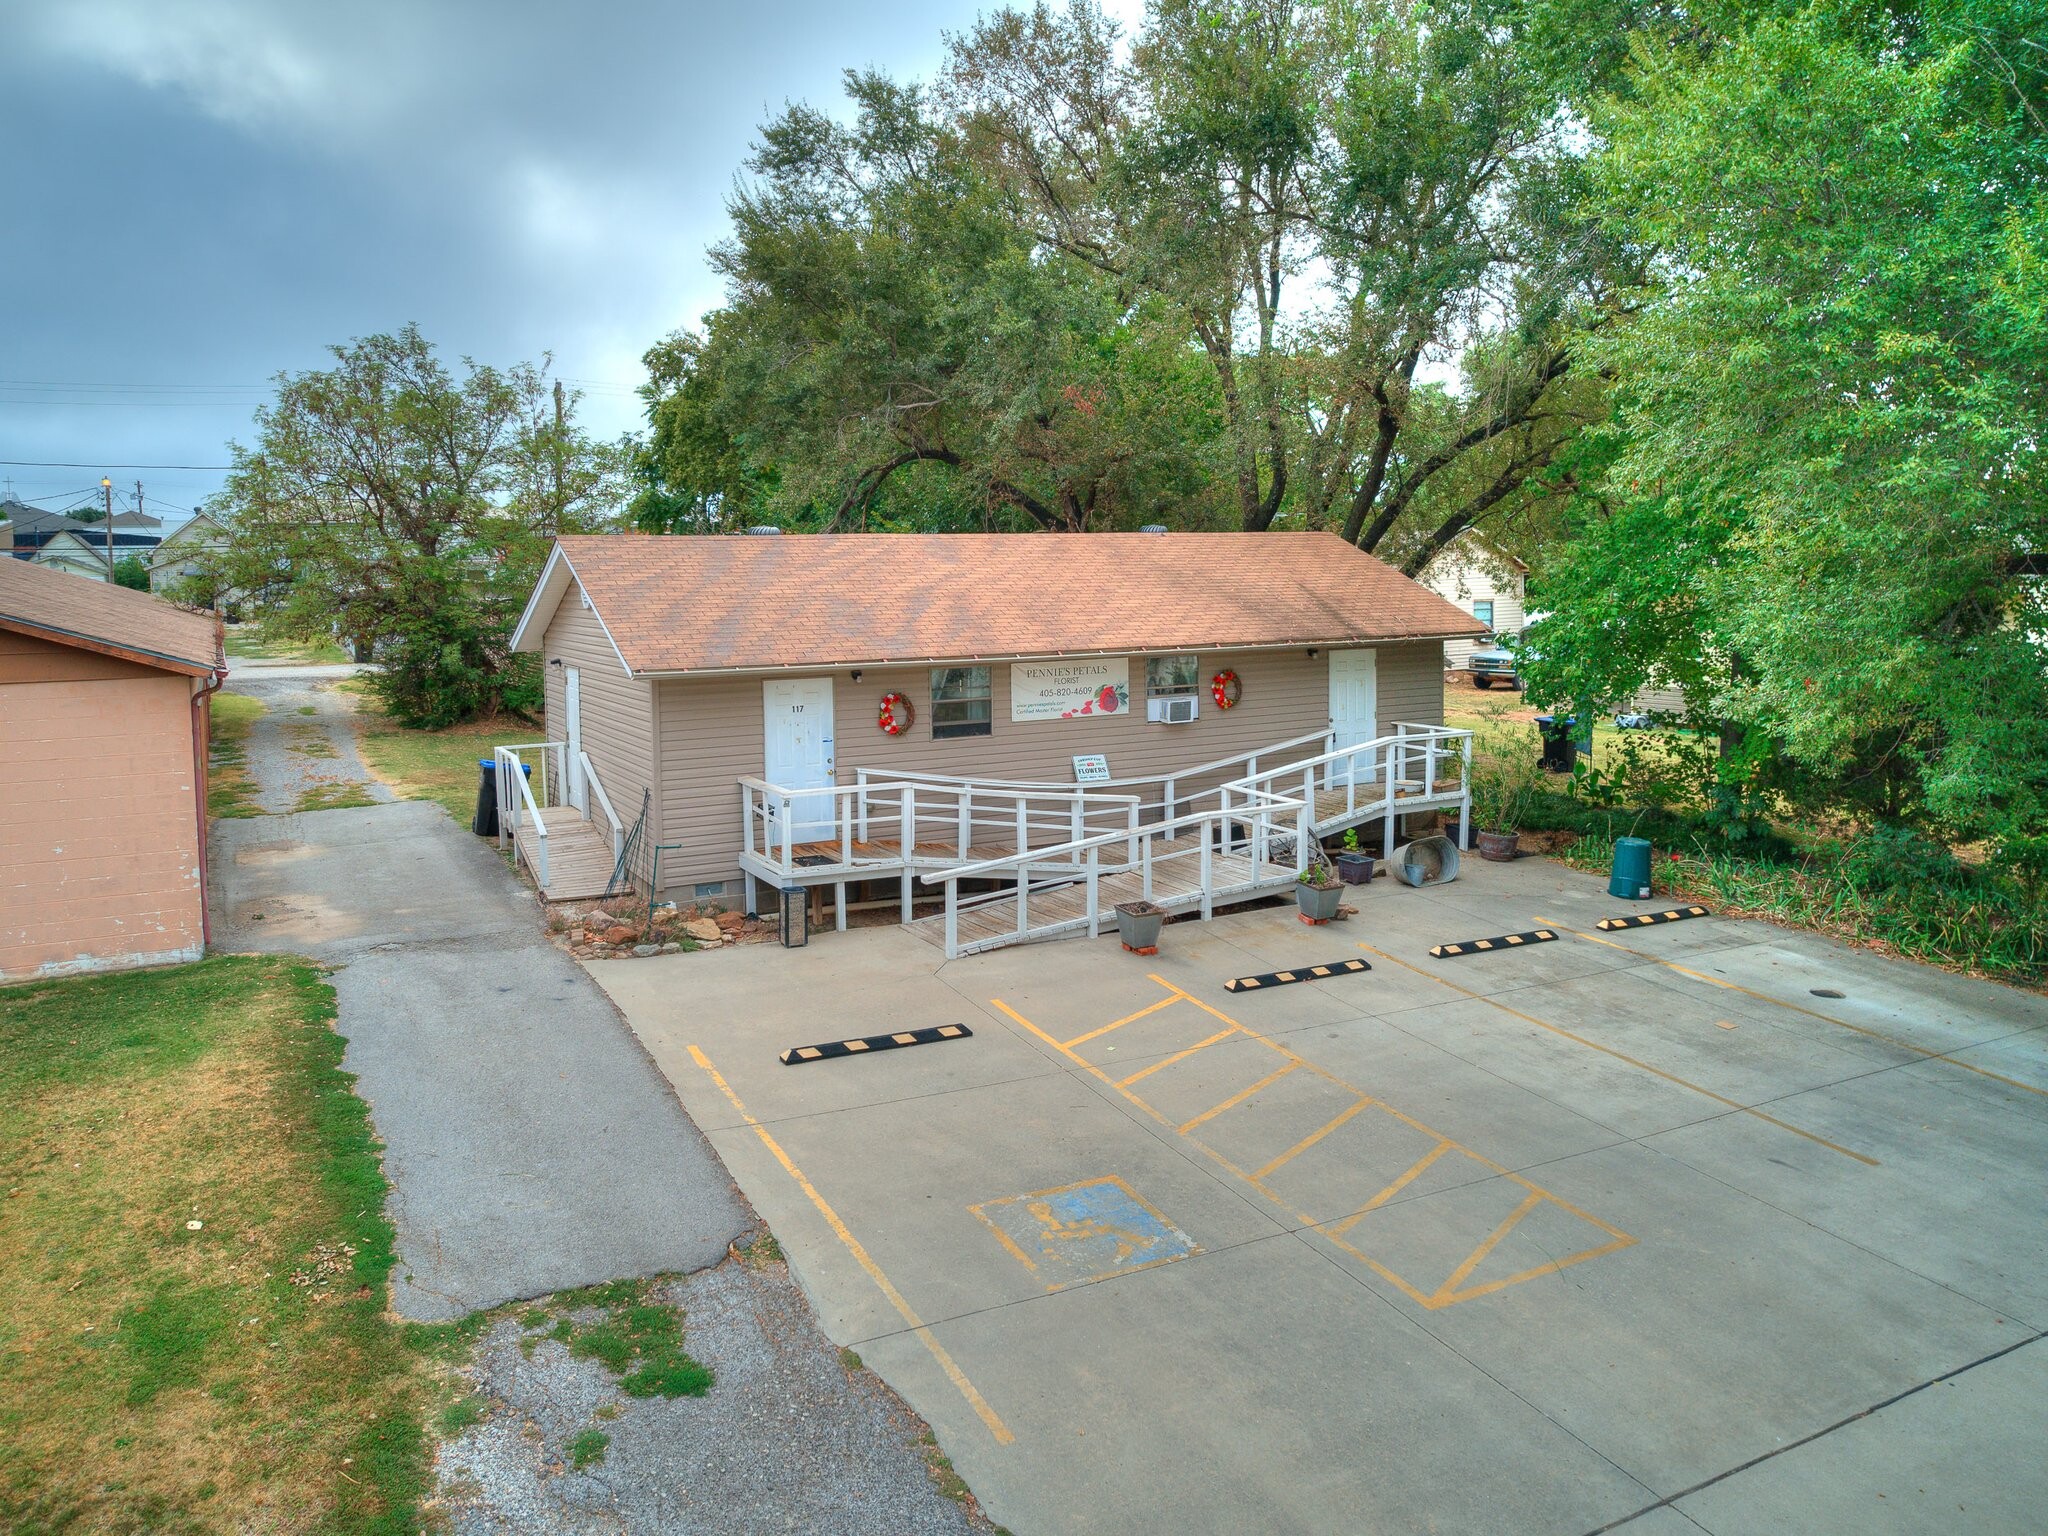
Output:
(103, 731)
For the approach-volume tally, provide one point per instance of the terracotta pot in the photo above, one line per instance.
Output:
(1499, 846)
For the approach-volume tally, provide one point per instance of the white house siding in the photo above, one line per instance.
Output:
(1468, 577)
(711, 735)
(617, 710)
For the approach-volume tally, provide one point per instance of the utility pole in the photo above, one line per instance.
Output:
(138, 502)
(560, 413)
(107, 494)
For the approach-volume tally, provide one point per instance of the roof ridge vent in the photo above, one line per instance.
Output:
(764, 528)
(1153, 528)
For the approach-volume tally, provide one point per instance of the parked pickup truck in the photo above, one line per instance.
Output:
(1491, 664)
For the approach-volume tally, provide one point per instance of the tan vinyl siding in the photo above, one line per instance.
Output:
(617, 710)
(712, 728)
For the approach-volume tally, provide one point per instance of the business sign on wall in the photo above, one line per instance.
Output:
(1064, 690)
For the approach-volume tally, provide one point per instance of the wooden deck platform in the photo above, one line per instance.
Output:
(580, 859)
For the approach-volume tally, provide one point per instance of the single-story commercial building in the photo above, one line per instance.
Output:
(103, 736)
(755, 692)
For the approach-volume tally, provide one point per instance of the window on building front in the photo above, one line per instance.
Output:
(1483, 612)
(1168, 677)
(960, 702)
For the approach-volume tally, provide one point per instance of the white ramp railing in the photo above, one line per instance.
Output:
(1252, 824)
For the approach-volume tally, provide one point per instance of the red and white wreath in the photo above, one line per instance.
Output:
(896, 714)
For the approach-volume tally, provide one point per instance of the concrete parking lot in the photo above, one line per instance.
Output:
(1703, 1225)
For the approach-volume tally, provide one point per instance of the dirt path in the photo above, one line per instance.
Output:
(301, 752)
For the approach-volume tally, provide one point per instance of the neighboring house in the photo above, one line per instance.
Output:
(103, 735)
(1484, 581)
(191, 549)
(684, 665)
(50, 538)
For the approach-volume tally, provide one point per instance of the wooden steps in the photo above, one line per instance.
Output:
(580, 858)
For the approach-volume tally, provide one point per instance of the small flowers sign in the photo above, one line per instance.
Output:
(1069, 690)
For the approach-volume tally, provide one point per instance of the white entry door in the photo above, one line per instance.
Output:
(1354, 706)
(799, 750)
(572, 716)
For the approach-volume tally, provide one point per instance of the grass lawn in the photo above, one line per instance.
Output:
(429, 765)
(244, 643)
(192, 1325)
(228, 787)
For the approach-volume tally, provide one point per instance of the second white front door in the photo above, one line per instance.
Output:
(1354, 705)
(798, 750)
(572, 717)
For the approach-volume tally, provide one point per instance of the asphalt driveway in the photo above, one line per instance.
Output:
(1704, 1225)
(530, 1143)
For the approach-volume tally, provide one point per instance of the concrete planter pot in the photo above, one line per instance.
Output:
(1138, 924)
(1318, 906)
(1499, 847)
(1354, 868)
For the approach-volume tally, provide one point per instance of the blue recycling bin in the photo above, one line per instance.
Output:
(1630, 877)
(485, 822)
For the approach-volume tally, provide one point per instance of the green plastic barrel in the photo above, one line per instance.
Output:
(1631, 877)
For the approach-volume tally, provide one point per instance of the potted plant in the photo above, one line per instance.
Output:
(1505, 785)
(1354, 864)
(1317, 891)
(1138, 924)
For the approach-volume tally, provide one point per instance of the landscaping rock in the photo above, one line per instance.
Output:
(620, 935)
(731, 922)
(703, 930)
(671, 948)
(644, 950)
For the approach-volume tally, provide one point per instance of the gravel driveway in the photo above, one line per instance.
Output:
(303, 744)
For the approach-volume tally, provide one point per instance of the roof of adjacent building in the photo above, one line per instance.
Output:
(98, 616)
(721, 602)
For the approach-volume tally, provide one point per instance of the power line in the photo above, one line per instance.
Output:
(76, 464)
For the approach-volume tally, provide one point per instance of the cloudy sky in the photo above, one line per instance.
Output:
(200, 193)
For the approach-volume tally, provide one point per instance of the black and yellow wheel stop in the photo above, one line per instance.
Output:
(797, 1055)
(1303, 973)
(1485, 946)
(1644, 919)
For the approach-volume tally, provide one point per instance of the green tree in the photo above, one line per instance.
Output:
(1825, 508)
(131, 573)
(398, 506)
(1287, 265)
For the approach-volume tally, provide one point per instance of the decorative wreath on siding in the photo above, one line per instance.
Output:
(896, 714)
(1226, 689)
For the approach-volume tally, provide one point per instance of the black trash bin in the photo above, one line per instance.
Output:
(485, 822)
(1560, 751)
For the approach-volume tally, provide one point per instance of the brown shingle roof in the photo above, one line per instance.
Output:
(689, 603)
(76, 610)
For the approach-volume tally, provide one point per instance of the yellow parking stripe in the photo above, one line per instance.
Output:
(1310, 1139)
(1129, 1018)
(1811, 1013)
(1644, 1066)
(945, 1361)
(1443, 1296)
(1161, 1066)
(1239, 1097)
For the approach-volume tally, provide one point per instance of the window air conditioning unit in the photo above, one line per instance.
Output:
(1179, 710)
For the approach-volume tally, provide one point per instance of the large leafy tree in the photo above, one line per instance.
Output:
(406, 508)
(1280, 265)
(1825, 510)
